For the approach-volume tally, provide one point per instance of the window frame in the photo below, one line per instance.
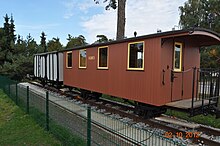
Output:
(107, 57)
(86, 59)
(67, 53)
(128, 57)
(181, 56)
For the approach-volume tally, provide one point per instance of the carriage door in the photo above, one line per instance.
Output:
(176, 73)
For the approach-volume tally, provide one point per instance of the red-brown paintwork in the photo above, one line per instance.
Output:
(142, 86)
(181, 88)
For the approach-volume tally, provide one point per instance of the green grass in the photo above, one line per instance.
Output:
(18, 128)
(206, 120)
(31, 131)
(65, 135)
(59, 132)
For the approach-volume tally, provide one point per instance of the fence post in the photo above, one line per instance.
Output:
(27, 99)
(89, 126)
(193, 91)
(218, 88)
(16, 94)
(47, 111)
(203, 88)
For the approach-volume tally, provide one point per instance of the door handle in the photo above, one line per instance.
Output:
(163, 82)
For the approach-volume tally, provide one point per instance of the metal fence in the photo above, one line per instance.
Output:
(206, 86)
(75, 123)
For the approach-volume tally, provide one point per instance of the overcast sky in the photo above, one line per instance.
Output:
(58, 18)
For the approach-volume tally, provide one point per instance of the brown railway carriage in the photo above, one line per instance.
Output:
(153, 69)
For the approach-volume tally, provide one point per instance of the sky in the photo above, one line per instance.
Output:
(58, 18)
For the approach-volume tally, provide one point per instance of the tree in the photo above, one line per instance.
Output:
(12, 36)
(69, 37)
(208, 58)
(75, 41)
(20, 46)
(101, 39)
(54, 45)
(16, 58)
(9, 29)
(22, 60)
(121, 15)
(19, 68)
(205, 14)
(2, 58)
(31, 46)
(7, 39)
(43, 41)
(6, 28)
(200, 13)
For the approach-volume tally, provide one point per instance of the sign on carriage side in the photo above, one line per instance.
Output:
(91, 57)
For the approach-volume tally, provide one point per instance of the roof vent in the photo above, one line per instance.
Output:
(159, 30)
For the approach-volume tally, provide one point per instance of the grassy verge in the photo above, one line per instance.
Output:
(64, 135)
(206, 120)
(18, 128)
(59, 133)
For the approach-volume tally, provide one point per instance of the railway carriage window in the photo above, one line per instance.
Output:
(69, 59)
(82, 58)
(178, 57)
(103, 58)
(136, 56)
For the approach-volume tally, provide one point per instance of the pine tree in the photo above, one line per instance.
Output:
(15, 63)
(43, 41)
(12, 30)
(19, 40)
(6, 33)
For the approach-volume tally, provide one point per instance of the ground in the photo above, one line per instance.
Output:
(18, 128)
(209, 120)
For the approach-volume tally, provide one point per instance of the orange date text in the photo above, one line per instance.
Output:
(179, 134)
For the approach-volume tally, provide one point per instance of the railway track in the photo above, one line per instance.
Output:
(202, 135)
(199, 134)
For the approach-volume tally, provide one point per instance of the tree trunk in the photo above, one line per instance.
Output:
(121, 20)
